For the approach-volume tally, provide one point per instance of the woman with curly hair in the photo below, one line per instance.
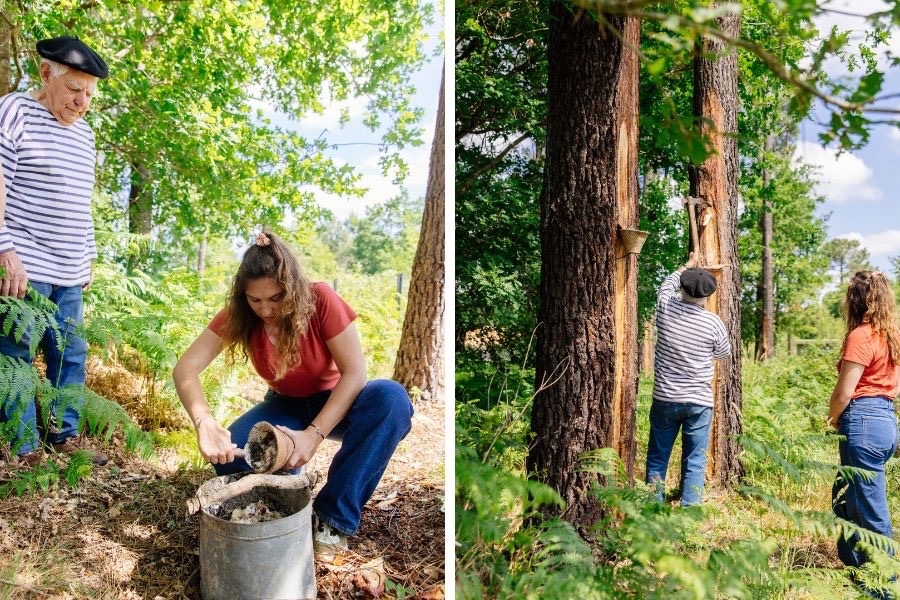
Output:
(862, 408)
(299, 336)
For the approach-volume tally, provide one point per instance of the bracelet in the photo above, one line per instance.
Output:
(200, 420)
(318, 430)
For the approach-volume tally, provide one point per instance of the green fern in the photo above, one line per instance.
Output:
(34, 316)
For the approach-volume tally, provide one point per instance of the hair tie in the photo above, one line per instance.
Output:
(262, 239)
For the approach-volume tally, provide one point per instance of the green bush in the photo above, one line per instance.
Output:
(748, 547)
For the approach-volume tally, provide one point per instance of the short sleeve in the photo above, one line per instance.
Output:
(334, 314)
(859, 348)
(218, 322)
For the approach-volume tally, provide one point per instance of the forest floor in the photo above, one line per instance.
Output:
(124, 531)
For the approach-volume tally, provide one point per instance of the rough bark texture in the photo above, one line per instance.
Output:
(765, 341)
(715, 183)
(587, 334)
(420, 358)
(6, 56)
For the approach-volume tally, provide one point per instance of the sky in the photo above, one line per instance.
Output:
(363, 154)
(861, 188)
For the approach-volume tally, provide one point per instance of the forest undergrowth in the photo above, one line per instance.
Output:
(771, 536)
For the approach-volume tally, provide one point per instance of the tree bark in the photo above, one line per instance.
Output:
(586, 361)
(7, 83)
(140, 210)
(765, 342)
(420, 358)
(715, 182)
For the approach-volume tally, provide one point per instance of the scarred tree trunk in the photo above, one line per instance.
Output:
(587, 340)
(765, 342)
(715, 183)
(420, 358)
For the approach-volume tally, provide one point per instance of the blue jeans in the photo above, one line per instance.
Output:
(870, 426)
(665, 420)
(63, 368)
(379, 418)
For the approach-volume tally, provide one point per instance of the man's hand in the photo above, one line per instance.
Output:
(306, 442)
(691, 261)
(87, 284)
(15, 279)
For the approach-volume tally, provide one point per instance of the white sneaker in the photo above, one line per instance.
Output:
(328, 542)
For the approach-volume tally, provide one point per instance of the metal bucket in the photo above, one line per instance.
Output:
(246, 561)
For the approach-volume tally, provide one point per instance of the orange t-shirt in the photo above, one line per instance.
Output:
(879, 377)
(316, 371)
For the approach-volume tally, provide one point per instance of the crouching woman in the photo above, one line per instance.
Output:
(302, 342)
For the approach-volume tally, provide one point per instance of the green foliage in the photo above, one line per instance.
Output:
(493, 413)
(666, 247)
(846, 256)
(34, 317)
(798, 262)
(46, 476)
(187, 123)
(501, 74)
(498, 260)
(752, 546)
(21, 383)
(381, 311)
(385, 239)
(382, 240)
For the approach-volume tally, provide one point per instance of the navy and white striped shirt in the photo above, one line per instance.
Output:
(49, 171)
(688, 337)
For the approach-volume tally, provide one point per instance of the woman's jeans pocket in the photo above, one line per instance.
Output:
(879, 434)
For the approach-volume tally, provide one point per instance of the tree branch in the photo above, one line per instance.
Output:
(491, 164)
(773, 64)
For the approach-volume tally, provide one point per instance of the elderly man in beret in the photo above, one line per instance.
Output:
(688, 338)
(48, 156)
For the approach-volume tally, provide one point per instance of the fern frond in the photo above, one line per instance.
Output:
(103, 416)
(34, 316)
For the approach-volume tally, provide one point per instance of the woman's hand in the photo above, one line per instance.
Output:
(215, 442)
(306, 442)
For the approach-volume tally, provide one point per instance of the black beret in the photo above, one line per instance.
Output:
(698, 283)
(72, 52)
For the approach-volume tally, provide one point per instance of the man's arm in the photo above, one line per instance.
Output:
(670, 284)
(15, 279)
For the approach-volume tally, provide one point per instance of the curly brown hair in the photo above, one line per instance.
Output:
(277, 262)
(870, 299)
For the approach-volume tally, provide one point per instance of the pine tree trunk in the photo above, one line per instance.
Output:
(765, 345)
(715, 182)
(7, 84)
(140, 210)
(587, 338)
(420, 358)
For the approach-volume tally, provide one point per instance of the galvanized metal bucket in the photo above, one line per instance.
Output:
(248, 561)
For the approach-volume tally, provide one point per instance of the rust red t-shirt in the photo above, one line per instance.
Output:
(316, 371)
(879, 377)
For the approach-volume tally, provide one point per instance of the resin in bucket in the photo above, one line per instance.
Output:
(271, 559)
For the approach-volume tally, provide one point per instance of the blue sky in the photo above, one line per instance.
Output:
(862, 188)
